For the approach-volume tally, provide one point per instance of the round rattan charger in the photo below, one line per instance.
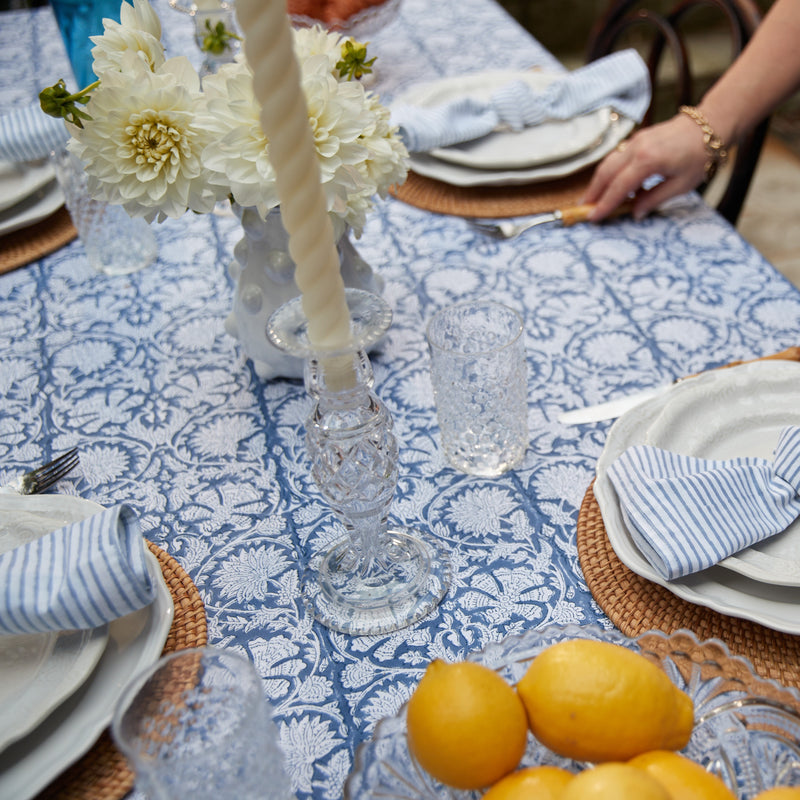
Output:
(103, 773)
(36, 241)
(636, 605)
(492, 201)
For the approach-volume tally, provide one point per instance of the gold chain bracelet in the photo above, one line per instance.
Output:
(716, 149)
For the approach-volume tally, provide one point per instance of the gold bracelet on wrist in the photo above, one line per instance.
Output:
(716, 149)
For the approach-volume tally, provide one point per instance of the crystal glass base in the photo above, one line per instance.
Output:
(405, 582)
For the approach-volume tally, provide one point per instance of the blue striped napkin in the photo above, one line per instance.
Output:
(80, 576)
(686, 514)
(28, 134)
(620, 81)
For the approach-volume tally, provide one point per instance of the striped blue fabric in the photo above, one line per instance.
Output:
(80, 576)
(620, 81)
(28, 134)
(686, 514)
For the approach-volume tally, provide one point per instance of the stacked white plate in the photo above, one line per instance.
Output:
(721, 414)
(58, 690)
(29, 193)
(550, 150)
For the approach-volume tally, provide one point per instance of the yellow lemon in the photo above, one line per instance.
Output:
(597, 701)
(613, 781)
(683, 778)
(466, 725)
(780, 793)
(542, 783)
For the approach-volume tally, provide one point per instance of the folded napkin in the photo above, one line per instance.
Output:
(28, 134)
(620, 80)
(80, 576)
(686, 514)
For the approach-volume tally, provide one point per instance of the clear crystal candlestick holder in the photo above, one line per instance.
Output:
(377, 578)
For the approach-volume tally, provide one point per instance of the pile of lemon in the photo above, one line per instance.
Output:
(586, 700)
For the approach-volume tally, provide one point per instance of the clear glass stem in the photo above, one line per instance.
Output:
(365, 537)
(378, 578)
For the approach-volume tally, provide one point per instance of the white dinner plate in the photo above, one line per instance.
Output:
(135, 641)
(552, 140)
(736, 411)
(39, 670)
(457, 175)
(18, 181)
(692, 424)
(37, 206)
(461, 175)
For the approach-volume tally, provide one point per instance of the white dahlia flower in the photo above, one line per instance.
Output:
(237, 152)
(387, 160)
(159, 145)
(142, 149)
(138, 31)
(316, 41)
(358, 152)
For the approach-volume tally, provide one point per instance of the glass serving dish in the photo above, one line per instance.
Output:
(359, 24)
(747, 728)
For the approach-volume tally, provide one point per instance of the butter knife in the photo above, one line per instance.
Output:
(611, 409)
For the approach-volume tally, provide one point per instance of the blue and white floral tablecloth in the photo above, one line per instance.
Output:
(170, 417)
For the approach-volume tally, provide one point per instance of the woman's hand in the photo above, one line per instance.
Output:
(673, 149)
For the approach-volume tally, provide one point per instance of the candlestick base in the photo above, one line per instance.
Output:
(377, 579)
(405, 582)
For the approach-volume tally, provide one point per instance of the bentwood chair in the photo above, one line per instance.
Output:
(659, 28)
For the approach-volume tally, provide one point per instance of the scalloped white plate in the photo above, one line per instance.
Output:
(18, 181)
(40, 670)
(736, 411)
(461, 174)
(553, 140)
(725, 419)
(134, 642)
(37, 206)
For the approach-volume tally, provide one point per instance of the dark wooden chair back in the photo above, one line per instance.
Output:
(657, 28)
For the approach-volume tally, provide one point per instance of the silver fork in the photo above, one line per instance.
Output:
(567, 216)
(506, 229)
(41, 478)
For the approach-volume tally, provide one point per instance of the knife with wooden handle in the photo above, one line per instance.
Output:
(568, 216)
(615, 408)
(572, 215)
(575, 214)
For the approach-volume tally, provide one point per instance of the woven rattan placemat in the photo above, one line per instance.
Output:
(636, 605)
(493, 201)
(36, 241)
(103, 773)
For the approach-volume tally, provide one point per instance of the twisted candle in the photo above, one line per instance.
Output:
(268, 47)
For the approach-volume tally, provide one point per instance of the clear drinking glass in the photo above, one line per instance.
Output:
(115, 243)
(205, 23)
(378, 577)
(197, 725)
(478, 369)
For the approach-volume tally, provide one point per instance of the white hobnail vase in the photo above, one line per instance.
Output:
(264, 274)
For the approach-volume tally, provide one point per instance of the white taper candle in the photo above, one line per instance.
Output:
(269, 49)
